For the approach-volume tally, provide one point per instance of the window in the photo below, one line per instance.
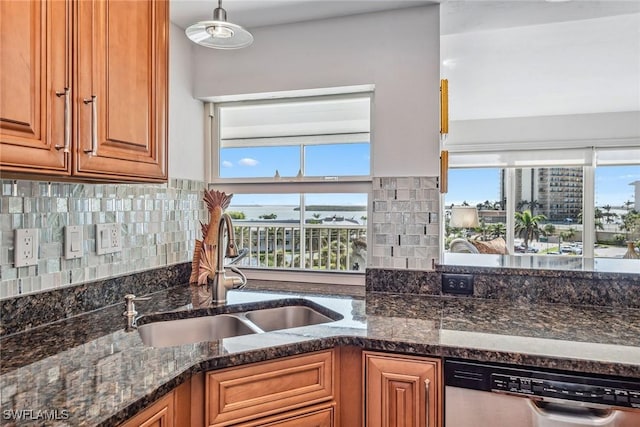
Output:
(587, 207)
(299, 169)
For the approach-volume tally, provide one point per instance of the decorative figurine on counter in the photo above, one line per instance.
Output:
(205, 252)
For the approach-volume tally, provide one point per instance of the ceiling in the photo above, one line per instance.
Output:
(457, 15)
(260, 13)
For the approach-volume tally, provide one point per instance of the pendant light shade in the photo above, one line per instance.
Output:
(218, 33)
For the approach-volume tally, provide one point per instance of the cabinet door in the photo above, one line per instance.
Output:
(159, 414)
(401, 391)
(34, 73)
(121, 97)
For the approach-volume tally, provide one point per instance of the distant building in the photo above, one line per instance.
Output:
(636, 184)
(553, 192)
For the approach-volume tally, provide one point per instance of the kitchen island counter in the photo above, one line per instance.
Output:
(101, 374)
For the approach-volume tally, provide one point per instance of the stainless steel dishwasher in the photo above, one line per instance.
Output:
(491, 395)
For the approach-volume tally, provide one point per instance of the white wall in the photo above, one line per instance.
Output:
(186, 114)
(561, 81)
(398, 51)
(621, 129)
(575, 67)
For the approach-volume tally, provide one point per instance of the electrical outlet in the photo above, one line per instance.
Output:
(461, 284)
(26, 247)
(108, 238)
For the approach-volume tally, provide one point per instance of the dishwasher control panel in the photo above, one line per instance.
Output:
(565, 390)
(609, 391)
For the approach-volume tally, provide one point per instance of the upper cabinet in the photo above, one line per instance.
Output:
(35, 86)
(102, 115)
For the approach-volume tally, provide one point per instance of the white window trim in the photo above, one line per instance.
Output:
(270, 185)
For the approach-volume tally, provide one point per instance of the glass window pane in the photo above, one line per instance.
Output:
(337, 160)
(617, 221)
(482, 192)
(259, 162)
(267, 229)
(331, 237)
(548, 217)
(336, 231)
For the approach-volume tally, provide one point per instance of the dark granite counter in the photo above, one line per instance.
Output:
(91, 367)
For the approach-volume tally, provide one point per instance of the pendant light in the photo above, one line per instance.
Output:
(218, 33)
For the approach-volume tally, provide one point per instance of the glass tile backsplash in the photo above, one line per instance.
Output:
(158, 225)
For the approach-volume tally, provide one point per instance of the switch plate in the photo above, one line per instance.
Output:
(108, 239)
(461, 284)
(26, 247)
(73, 242)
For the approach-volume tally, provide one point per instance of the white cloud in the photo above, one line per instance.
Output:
(248, 162)
(227, 164)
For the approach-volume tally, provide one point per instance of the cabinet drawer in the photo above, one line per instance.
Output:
(318, 417)
(239, 394)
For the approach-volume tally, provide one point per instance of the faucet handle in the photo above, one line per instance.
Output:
(131, 308)
(239, 281)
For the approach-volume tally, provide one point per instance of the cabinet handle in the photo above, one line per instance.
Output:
(67, 120)
(94, 125)
(426, 403)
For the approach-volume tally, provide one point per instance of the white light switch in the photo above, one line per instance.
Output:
(73, 237)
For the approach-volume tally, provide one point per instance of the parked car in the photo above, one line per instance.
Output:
(521, 249)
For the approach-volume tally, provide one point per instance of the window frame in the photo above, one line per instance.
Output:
(291, 185)
(589, 164)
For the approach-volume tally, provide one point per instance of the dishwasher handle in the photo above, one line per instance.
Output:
(567, 415)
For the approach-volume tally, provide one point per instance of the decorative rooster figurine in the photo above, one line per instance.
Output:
(204, 262)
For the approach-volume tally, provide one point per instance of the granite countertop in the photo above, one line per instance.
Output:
(101, 374)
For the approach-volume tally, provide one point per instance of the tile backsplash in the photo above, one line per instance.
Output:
(158, 222)
(405, 222)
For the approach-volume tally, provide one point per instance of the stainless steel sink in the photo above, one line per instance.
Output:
(273, 319)
(166, 333)
(197, 329)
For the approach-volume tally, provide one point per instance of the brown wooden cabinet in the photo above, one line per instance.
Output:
(402, 391)
(241, 395)
(102, 115)
(171, 410)
(159, 414)
(35, 82)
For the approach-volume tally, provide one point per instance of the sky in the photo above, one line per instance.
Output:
(470, 185)
(477, 185)
(321, 160)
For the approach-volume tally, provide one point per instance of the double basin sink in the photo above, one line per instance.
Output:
(204, 326)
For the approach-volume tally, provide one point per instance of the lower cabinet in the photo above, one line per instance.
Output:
(159, 414)
(171, 410)
(242, 395)
(402, 391)
(341, 387)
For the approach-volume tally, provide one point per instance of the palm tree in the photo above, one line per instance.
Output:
(568, 234)
(497, 230)
(630, 223)
(528, 226)
(628, 205)
(549, 230)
